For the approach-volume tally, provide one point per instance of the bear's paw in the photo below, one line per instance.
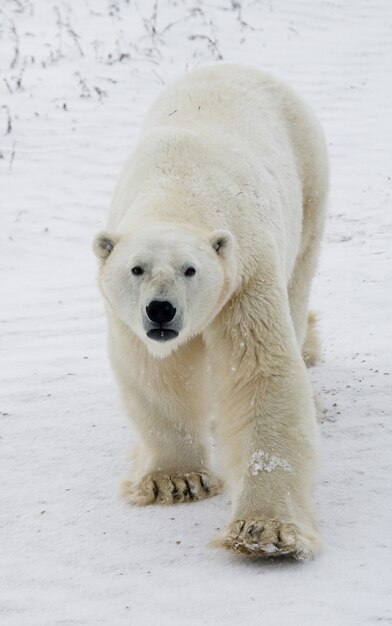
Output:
(160, 488)
(267, 538)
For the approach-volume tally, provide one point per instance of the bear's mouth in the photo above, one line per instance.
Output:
(162, 334)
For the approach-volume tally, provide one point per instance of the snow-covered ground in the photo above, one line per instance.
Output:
(76, 78)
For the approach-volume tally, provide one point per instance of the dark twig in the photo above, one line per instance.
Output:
(158, 77)
(9, 120)
(8, 85)
(16, 46)
(213, 44)
(71, 32)
(84, 89)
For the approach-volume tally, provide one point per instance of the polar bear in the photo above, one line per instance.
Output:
(205, 268)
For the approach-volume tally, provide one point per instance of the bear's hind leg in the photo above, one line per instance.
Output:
(311, 348)
(298, 291)
(305, 322)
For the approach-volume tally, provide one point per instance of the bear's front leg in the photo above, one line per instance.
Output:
(166, 401)
(266, 426)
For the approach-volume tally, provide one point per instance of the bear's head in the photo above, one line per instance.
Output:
(166, 282)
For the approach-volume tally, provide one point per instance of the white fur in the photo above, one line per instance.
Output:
(230, 177)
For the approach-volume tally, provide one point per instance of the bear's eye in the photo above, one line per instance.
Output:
(137, 271)
(190, 271)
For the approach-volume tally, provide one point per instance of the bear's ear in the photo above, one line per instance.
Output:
(223, 242)
(103, 244)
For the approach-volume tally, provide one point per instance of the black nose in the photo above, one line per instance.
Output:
(160, 312)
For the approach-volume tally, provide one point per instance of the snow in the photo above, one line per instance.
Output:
(262, 461)
(77, 78)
